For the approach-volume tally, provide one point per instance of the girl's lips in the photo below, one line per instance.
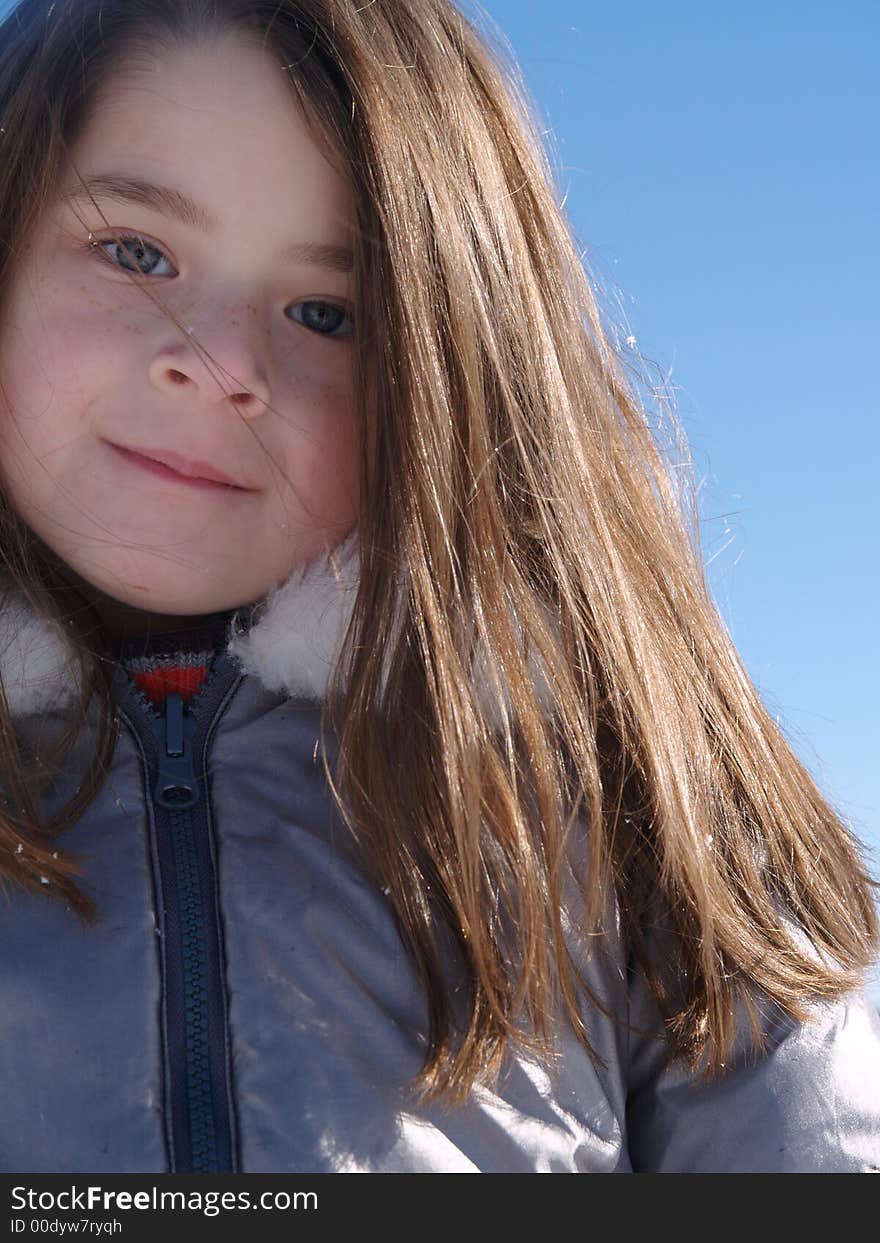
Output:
(165, 472)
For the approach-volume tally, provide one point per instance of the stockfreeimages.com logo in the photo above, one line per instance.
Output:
(210, 1203)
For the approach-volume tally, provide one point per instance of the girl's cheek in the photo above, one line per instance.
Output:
(54, 358)
(319, 426)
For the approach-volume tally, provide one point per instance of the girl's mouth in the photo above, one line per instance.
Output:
(160, 471)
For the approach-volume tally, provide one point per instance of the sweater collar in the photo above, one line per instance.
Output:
(288, 640)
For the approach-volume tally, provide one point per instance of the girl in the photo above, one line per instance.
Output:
(382, 790)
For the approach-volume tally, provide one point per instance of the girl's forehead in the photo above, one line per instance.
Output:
(230, 82)
(218, 126)
(208, 94)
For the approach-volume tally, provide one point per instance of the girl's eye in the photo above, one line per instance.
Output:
(134, 254)
(324, 318)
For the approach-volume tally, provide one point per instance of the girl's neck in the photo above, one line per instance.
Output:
(122, 623)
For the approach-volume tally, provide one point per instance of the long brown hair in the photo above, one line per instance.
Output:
(510, 467)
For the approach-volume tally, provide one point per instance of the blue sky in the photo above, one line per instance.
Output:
(720, 168)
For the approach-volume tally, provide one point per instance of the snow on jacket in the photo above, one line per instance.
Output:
(245, 1003)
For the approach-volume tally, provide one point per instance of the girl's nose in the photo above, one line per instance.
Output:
(213, 366)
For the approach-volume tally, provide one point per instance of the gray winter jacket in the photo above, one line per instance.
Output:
(245, 1003)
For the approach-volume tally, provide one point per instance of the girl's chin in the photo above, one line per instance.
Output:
(124, 618)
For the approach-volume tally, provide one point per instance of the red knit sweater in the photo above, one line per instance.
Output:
(178, 661)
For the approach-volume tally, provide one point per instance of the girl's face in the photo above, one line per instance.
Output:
(89, 362)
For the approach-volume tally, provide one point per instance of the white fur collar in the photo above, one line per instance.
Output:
(289, 647)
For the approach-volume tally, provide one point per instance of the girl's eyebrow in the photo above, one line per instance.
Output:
(124, 189)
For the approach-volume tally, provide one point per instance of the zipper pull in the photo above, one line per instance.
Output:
(177, 787)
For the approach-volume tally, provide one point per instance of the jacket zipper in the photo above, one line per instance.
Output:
(200, 1120)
